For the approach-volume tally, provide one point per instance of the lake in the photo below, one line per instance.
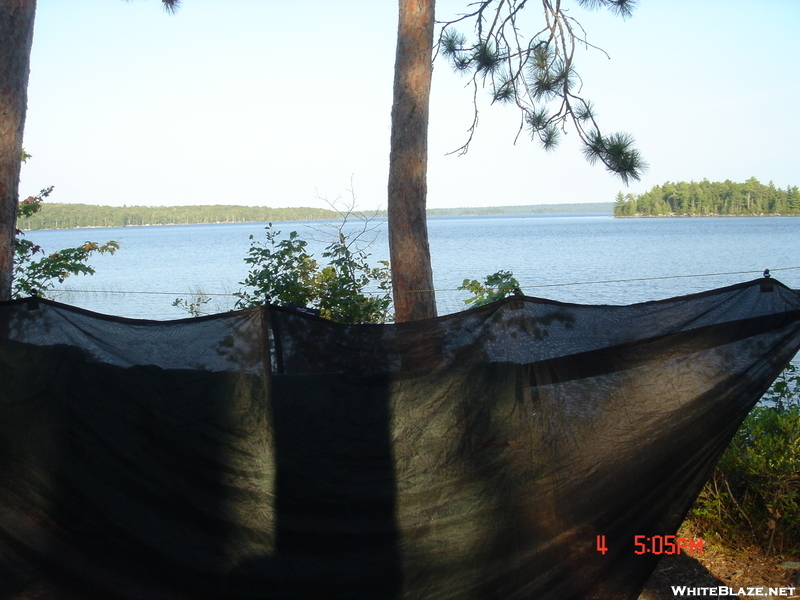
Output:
(590, 259)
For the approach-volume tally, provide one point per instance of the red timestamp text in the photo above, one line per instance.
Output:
(666, 544)
(658, 544)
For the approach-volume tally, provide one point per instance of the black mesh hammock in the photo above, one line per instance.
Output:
(270, 454)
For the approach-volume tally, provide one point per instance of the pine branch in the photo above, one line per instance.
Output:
(537, 75)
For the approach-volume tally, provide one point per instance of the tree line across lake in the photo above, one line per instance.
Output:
(71, 216)
(670, 199)
(750, 198)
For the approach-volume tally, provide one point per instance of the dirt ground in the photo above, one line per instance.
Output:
(720, 566)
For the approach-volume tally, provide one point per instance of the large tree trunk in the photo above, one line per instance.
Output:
(16, 38)
(408, 230)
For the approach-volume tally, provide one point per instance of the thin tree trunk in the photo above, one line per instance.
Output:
(412, 275)
(16, 39)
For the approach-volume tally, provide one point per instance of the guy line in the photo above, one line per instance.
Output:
(544, 285)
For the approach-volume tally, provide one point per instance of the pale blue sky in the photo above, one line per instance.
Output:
(274, 103)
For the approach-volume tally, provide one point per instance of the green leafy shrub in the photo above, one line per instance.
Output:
(754, 492)
(34, 277)
(285, 274)
(494, 287)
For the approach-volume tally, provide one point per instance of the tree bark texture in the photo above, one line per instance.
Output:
(412, 275)
(16, 39)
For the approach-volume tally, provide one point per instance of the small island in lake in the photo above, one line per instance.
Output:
(707, 199)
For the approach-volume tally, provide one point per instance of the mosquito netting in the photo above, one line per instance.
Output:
(271, 454)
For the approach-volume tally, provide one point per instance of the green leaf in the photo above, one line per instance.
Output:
(494, 287)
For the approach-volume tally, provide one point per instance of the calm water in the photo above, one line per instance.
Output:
(157, 264)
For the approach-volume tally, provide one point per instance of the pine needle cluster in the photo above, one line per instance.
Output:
(538, 75)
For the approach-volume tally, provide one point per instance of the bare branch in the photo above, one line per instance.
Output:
(471, 131)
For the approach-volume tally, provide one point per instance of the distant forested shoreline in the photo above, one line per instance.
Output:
(75, 216)
(706, 198)
(530, 209)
